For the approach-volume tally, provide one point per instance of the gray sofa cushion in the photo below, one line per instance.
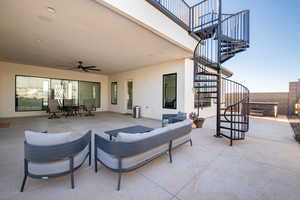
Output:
(112, 162)
(45, 139)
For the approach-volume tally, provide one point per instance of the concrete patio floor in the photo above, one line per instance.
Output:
(266, 166)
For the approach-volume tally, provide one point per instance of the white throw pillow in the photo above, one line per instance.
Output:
(45, 139)
(159, 131)
(180, 124)
(127, 137)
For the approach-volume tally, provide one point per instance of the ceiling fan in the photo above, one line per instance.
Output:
(85, 68)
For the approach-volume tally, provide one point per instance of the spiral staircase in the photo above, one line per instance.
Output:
(221, 37)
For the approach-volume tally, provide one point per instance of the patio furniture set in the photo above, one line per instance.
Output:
(122, 150)
(69, 109)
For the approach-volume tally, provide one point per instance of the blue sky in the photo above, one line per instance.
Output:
(273, 59)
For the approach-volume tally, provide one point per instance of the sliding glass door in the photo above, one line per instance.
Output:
(33, 93)
(89, 90)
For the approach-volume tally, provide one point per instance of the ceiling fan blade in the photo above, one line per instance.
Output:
(98, 70)
(89, 67)
(70, 68)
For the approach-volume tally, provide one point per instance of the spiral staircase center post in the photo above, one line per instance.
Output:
(218, 131)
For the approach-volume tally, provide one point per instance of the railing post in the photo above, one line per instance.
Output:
(190, 18)
(193, 18)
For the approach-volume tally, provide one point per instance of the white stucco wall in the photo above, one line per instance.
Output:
(143, 13)
(148, 89)
(8, 71)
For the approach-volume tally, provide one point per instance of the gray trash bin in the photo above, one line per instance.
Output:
(137, 112)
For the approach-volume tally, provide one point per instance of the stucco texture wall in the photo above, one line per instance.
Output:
(148, 90)
(7, 85)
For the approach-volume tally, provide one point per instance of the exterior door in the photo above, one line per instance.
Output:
(129, 101)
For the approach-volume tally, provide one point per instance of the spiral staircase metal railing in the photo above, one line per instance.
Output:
(221, 37)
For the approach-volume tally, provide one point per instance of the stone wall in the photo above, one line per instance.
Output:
(282, 98)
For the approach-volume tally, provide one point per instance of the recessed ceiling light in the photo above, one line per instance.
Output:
(51, 10)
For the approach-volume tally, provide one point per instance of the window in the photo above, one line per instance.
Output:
(33, 93)
(114, 93)
(170, 91)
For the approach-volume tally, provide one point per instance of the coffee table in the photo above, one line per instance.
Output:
(129, 130)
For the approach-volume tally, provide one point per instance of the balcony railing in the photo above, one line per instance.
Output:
(189, 17)
(178, 10)
(204, 13)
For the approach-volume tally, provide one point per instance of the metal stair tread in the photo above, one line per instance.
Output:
(207, 87)
(205, 61)
(202, 81)
(233, 129)
(224, 121)
(206, 74)
(233, 51)
(207, 32)
(226, 57)
(234, 137)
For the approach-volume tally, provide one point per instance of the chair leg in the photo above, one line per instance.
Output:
(90, 154)
(170, 156)
(170, 151)
(95, 158)
(72, 172)
(25, 174)
(72, 180)
(119, 181)
(90, 159)
(23, 183)
(56, 116)
(51, 116)
(96, 166)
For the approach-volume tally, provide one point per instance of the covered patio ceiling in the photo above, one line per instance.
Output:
(59, 33)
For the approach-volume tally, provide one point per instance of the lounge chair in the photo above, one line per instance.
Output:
(89, 107)
(53, 108)
(52, 155)
(68, 107)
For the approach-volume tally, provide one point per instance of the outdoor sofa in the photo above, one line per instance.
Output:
(127, 152)
(49, 155)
